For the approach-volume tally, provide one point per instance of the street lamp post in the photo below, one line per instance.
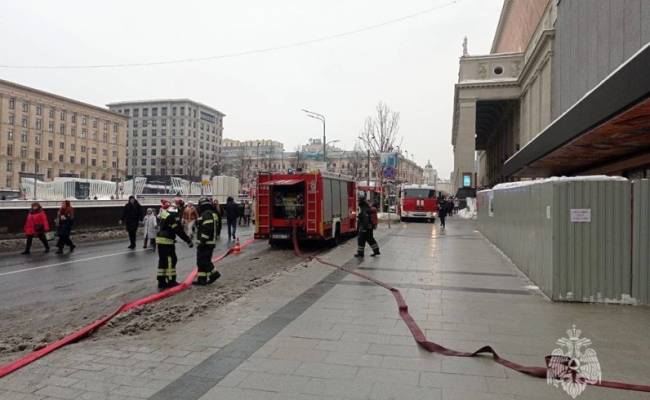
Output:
(321, 118)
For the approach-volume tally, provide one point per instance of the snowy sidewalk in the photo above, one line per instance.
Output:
(318, 333)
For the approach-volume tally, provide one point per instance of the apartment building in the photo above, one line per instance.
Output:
(51, 136)
(172, 137)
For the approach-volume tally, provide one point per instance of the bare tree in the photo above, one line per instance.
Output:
(380, 135)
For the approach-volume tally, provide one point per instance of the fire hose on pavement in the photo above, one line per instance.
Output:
(90, 328)
(559, 366)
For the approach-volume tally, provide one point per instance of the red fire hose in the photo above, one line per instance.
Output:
(89, 329)
(420, 338)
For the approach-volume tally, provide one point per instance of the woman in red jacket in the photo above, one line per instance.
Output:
(36, 225)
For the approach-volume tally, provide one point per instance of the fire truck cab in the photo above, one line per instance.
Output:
(418, 202)
(321, 205)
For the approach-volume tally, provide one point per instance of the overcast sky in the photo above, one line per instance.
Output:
(412, 65)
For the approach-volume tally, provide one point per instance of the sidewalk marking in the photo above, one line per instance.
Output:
(70, 262)
(440, 287)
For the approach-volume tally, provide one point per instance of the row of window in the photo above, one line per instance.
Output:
(154, 132)
(62, 115)
(154, 111)
(73, 131)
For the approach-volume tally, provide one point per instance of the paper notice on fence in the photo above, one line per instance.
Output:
(581, 215)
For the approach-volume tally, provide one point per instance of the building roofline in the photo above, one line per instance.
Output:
(61, 98)
(179, 100)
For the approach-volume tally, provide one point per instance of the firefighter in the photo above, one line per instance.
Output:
(366, 224)
(207, 232)
(170, 227)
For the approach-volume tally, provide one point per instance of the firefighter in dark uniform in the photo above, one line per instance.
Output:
(366, 226)
(207, 232)
(170, 227)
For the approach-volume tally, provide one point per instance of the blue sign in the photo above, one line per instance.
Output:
(389, 172)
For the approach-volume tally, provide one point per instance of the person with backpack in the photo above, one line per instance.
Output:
(64, 220)
(366, 223)
(36, 225)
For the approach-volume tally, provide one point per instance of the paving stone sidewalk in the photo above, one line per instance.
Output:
(318, 333)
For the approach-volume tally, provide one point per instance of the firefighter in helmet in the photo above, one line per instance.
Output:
(366, 224)
(170, 227)
(207, 232)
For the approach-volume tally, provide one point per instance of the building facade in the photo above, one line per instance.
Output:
(172, 137)
(51, 136)
(562, 92)
(430, 176)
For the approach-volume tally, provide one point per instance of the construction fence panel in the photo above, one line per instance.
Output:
(641, 240)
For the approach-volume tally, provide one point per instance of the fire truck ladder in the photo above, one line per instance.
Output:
(264, 209)
(311, 211)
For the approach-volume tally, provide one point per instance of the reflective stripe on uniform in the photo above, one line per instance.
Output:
(203, 235)
(208, 221)
(163, 240)
(170, 269)
(161, 272)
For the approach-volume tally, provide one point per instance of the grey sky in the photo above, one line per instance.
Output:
(412, 65)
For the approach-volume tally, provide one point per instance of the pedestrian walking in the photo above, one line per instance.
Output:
(207, 232)
(150, 229)
(131, 217)
(190, 215)
(443, 210)
(232, 212)
(247, 213)
(365, 226)
(36, 225)
(64, 221)
(170, 227)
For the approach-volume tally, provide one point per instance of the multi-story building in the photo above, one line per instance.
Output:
(430, 175)
(50, 135)
(564, 91)
(172, 137)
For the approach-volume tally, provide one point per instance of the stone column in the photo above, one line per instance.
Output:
(465, 147)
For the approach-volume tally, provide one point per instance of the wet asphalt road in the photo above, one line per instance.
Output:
(93, 267)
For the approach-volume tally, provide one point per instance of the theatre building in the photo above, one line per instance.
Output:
(564, 91)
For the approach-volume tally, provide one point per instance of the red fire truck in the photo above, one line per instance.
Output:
(322, 205)
(418, 202)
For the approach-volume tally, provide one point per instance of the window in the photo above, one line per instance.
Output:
(24, 122)
(10, 149)
(154, 122)
(73, 147)
(153, 152)
(93, 162)
(182, 110)
(127, 112)
(63, 116)
(39, 110)
(60, 158)
(84, 120)
(144, 171)
(50, 126)
(105, 126)
(10, 165)
(37, 154)
(72, 159)
(153, 132)
(62, 129)
(154, 112)
(136, 112)
(153, 142)
(61, 145)
(163, 141)
(38, 139)
(12, 104)
(144, 152)
(94, 122)
(115, 127)
(163, 122)
(73, 131)
(135, 123)
(84, 132)
(104, 152)
(51, 113)
(50, 157)
(23, 166)
(145, 112)
(39, 124)
(104, 137)
(163, 152)
(94, 150)
(25, 106)
(153, 161)
(12, 119)
(145, 123)
(163, 111)
(10, 134)
(23, 152)
(49, 173)
(23, 136)
(74, 118)
(144, 142)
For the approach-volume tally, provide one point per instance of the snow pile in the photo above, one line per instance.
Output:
(470, 211)
(520, 184)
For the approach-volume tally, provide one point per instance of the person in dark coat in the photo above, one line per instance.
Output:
(232, 212)
(443, 210)
(36, 225)
(131, 217)
(365, 226)
(64, 220)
